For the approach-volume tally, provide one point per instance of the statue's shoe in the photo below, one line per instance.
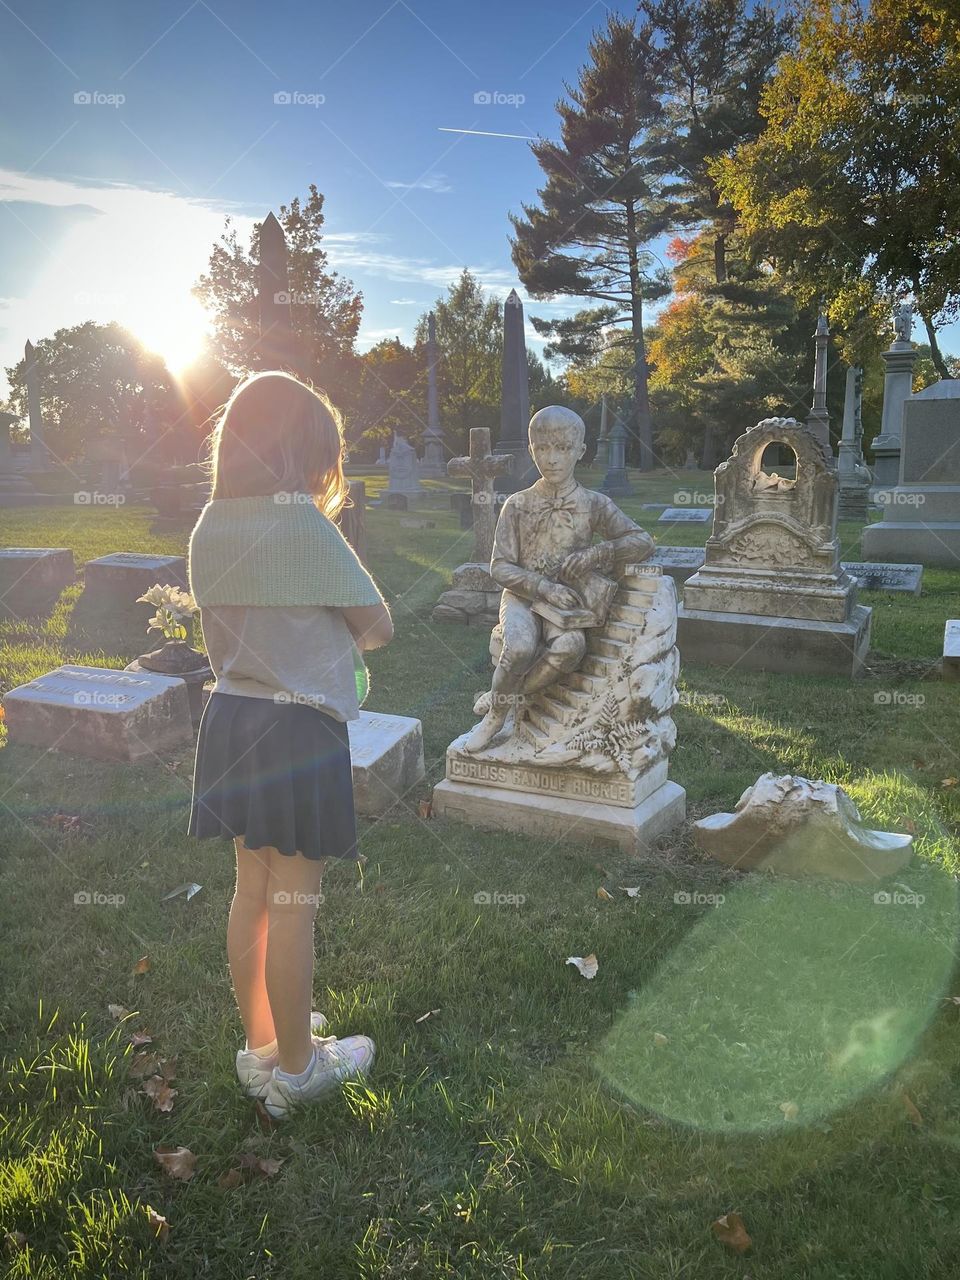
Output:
(483, 703)
(485, 732)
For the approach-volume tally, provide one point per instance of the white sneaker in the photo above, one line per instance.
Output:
(254, 1073)
(334, 1062)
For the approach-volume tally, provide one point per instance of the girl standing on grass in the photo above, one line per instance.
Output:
(285, 609)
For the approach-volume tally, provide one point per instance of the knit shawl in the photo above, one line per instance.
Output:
(275, 549)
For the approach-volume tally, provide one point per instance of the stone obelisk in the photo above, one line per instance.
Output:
(853, 475)
(515, 399)
(899, 360)
(39, 457)
(818, 419)
(602, 455)
(433, 464)
(275, 347)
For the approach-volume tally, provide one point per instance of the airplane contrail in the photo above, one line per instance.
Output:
(484, 133)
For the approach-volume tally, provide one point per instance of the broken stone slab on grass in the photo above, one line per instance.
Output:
(951, 649)
(386, 755)
(795, 827)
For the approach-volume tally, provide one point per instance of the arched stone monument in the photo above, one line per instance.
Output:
(772, 594)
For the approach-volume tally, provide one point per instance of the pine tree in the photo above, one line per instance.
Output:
(603, 201)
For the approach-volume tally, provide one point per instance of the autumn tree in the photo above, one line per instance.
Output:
(852, 190)
(325, 309)
(602, 204)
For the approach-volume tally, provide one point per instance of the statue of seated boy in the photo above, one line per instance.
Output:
(545, 535)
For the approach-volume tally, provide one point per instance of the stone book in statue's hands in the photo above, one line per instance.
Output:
(596, 592)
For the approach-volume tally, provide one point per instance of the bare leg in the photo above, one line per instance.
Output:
(247, 944)
(293, 895)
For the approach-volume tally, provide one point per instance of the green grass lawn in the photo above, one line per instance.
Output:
(785, 1051)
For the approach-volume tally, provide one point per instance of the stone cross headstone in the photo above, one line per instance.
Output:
(39, 457)
(482, 467)
(432, 465)
(818, 420)
(899, 361)
(515, 397)
(616, 483)
(275, 347)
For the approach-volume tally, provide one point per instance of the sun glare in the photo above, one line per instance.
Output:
(174, 331)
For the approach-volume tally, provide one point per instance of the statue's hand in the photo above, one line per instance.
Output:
(560, 597)
(579, 562)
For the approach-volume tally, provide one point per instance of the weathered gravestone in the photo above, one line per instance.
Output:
(35, 569)
(874, 576)
(772, 594)
(853, 473)
(514, 398)
(679, 562)
(899, 360)
(15, 488)
(386, 753)
(686, 515)
(951, 649)
(474, 597)
(98, 712)
(124, 575)
(576, 730)
(404, 471)
(921, 513)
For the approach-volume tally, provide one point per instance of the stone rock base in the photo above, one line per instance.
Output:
(577, 821)
(787, 645)
(935, 543)
(386, 753)
(473, 599)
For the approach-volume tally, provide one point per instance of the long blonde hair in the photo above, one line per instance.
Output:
(276, 434)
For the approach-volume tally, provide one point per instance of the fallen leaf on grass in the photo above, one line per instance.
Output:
(429, 1014)
(159, 1224)
(660, 1039)
(425, 808)
(144, 1064)
(731, 1232)
(603, 895)
(179, 1162)
(142, 965)
(913, 1113)
(137, 1038)
(790, 1110)
(117, 1011)
(14, 1241)
(160, 1092)
(587, 965)
(264, 1119)
(631, 893)
(250, 1166)
(948, 782)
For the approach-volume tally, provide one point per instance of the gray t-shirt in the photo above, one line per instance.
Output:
(290, 653)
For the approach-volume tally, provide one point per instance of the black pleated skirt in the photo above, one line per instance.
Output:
(277, 774)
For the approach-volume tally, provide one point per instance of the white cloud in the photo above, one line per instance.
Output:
(435, 182)
(368, 338)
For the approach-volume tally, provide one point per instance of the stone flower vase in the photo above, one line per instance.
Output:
(178, 658)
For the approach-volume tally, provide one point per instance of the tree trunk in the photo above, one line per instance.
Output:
(936, 355)
(641, 400)
(720, 258)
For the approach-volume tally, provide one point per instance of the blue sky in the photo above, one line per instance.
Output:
(109, 206)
